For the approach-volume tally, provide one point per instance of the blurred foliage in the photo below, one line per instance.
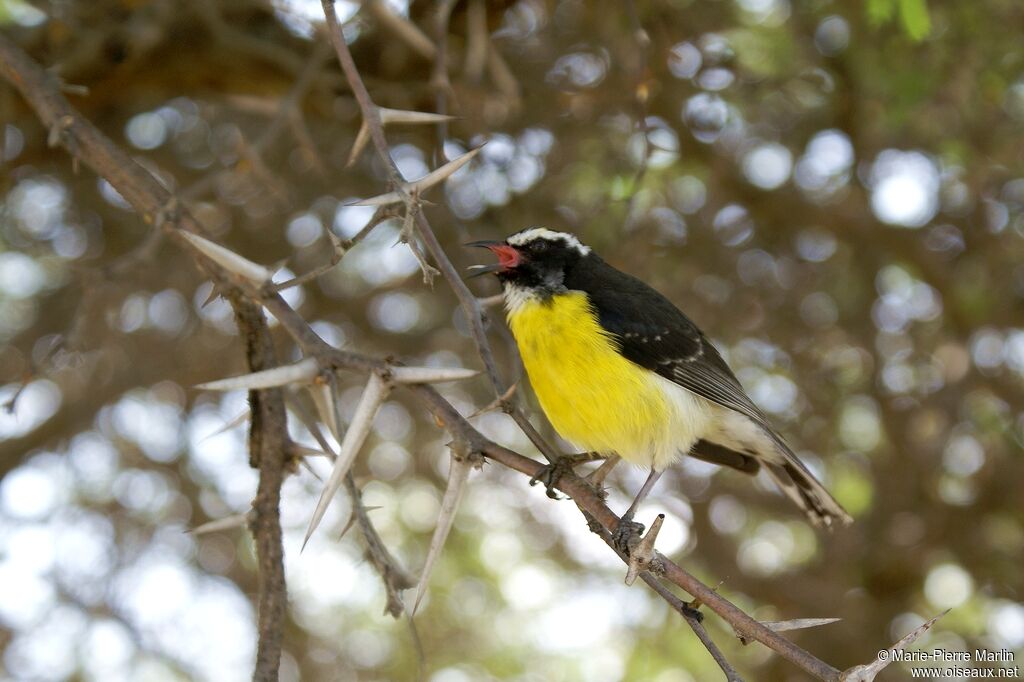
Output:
(834, 190)
(913, 15)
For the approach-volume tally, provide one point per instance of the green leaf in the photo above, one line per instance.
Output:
(915, 19)
(880, 11)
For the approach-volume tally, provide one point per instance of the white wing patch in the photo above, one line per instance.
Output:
(520, 238)
(740, 433)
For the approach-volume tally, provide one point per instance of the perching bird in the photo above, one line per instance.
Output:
(619, 369)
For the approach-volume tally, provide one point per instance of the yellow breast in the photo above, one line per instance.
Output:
(593, 396)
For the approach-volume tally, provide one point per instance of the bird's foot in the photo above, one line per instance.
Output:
(627, 534)
(690, 612)
(549, 474)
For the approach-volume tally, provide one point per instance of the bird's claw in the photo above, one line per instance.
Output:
(550, 474)
(627, 534)
(691, 612)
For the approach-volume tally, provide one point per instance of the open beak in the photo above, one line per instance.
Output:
(508, 257)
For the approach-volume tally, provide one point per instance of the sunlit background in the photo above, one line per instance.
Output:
(833, 190)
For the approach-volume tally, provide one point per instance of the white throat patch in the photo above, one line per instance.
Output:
(516, 297)
(525, 236)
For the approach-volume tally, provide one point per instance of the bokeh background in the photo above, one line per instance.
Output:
(833, 189)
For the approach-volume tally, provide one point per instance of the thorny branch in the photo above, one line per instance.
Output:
(468, 302)
(391, 572)
(149, 198)
(268, 439)
(86, 143)
(394, 577)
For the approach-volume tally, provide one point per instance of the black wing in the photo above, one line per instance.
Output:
(656, 335)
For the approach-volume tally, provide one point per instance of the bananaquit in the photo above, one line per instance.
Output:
(619, 370)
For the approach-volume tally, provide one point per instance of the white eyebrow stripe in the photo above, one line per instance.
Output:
(521, 238)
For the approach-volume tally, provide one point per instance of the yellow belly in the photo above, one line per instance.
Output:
(592, 395)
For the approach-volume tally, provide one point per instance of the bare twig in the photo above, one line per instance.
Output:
(687, 611)
(476, 40)
(388, 116)
(467, 300)
(867, 672)
(407, 238)
(297, 123)
(408, 193)
(402, 28)
(268, 432)
(391, 572)
(268, 440)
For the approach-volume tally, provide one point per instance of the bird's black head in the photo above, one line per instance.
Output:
(536, 259)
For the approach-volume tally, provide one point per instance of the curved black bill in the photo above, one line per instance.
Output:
(477, 270)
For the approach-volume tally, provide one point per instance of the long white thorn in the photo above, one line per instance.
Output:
(430, 375)
(229, 260)
(237, 421)
(323, 398)
(301, 372)
(798, 623)
(402, 116)
(457, 475)
(867, 673)
(227, 523)
(388, 116)
(373, 396)
(422, 185)
(300, 450)
(362, 137)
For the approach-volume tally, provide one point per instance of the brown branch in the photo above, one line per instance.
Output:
(590, 502)
(391, 572)
(476, 41)
(685, 610)
(469, 303)
(268, 447)
(148, 197)
(395, 578)
(403, 29)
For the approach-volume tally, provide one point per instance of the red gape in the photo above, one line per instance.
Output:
(507, 255)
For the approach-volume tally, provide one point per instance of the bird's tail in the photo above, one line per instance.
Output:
(800, 486)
